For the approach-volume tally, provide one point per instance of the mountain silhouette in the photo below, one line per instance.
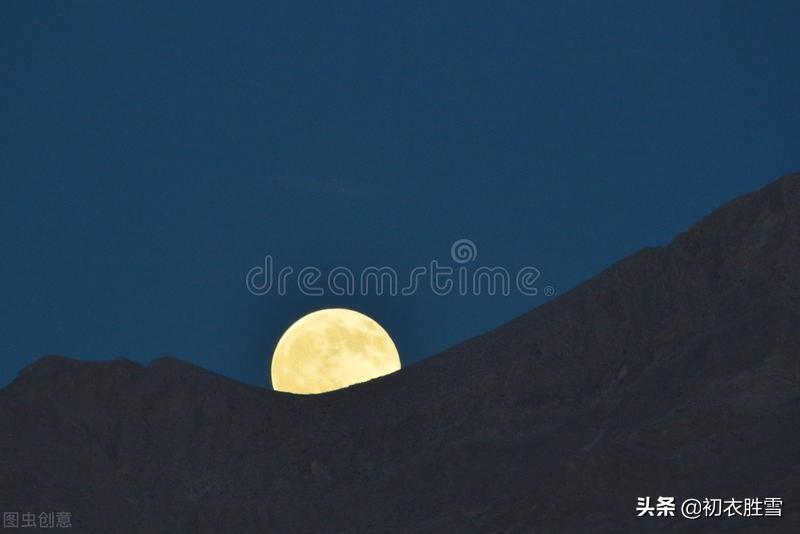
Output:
(675, 372)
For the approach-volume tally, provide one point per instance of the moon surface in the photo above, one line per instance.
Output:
(331, 349)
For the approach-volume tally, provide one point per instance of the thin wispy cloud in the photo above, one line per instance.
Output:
(330, 186)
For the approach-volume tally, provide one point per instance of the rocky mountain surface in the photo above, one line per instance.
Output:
(676, 372)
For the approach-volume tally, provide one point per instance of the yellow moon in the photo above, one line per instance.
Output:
(331, 349)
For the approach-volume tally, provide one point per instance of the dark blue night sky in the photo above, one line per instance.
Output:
(151, 154)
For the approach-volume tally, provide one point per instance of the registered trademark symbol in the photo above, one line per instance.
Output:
(549, 291)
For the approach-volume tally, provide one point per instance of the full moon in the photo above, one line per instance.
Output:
(331, 349)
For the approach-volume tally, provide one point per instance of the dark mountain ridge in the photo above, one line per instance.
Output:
(675, 372)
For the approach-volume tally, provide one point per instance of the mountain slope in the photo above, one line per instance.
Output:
(675, 372)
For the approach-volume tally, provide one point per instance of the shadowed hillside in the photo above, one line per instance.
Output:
(675, 372)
